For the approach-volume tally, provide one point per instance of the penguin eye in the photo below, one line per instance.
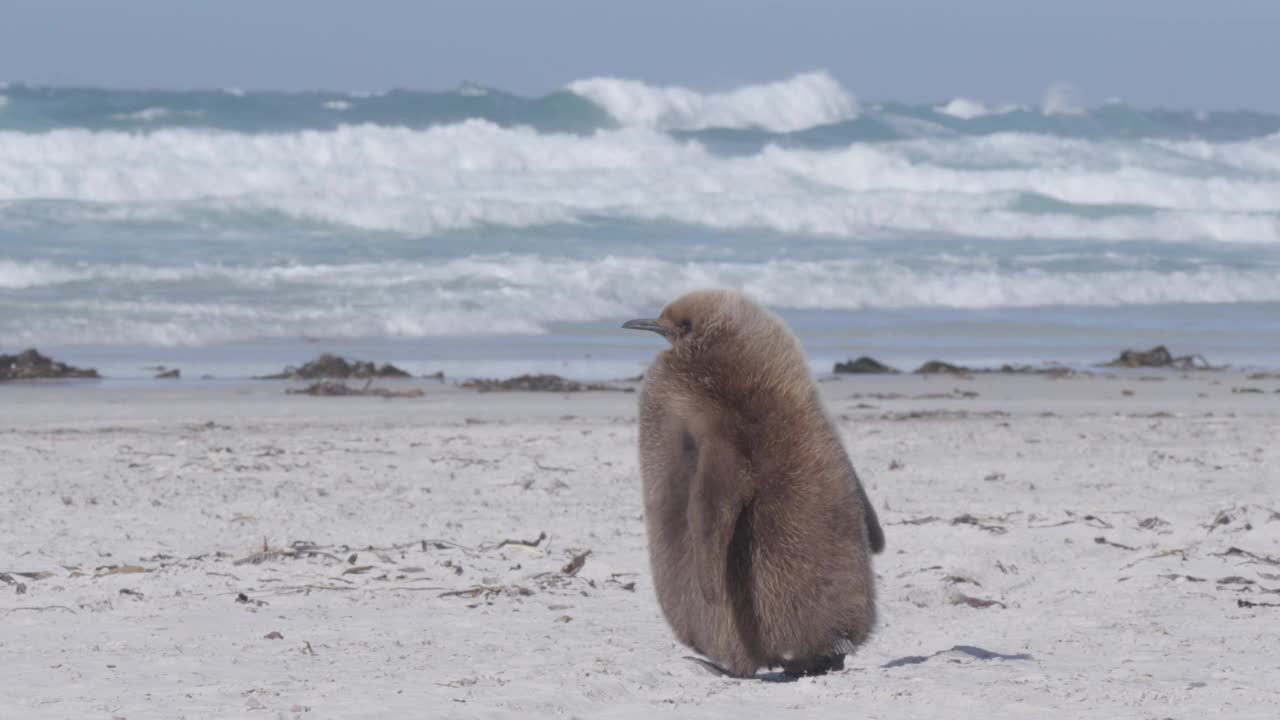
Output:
(685, 326)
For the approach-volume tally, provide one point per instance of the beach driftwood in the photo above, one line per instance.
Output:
(31, 365)
(334, 367)
(864, 365)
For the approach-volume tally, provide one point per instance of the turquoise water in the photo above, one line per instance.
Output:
(480, 232)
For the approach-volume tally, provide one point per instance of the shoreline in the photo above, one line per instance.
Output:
(1242, 336)
(586, 371)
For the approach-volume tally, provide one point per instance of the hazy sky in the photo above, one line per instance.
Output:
(1175, 53)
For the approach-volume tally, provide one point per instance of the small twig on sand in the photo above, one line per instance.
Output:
(1091, 520)
(40, 608)
(1180, 552)
(537, 462)
(290, 589)
(522, 543)
(487, 590)
(294, 589)
(297, 550)
(473, 591)
(973, 602)
(426, 545)
(917, 521)
(1235, 551)
(1103, 541)
(20, 588)
(967, 519)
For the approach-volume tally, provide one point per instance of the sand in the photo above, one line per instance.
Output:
(1100, 533)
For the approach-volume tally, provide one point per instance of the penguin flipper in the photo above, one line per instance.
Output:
(717, 496)
(875, 534)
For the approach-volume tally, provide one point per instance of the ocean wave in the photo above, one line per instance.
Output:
(802, 102)
(1257, 156)
(523, 294)
(963, 108)
(1061, 99)
(150, 114)
(811, 109)
(476, 174)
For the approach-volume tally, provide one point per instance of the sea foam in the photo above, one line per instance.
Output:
(476, 174)
(804, 101)
(521, 294)
(963, 108)
(1061, 99)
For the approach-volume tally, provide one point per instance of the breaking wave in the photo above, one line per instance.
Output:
(803, 102)
(478, 174)
(521, 294)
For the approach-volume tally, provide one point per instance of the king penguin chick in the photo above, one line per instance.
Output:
(760, 534)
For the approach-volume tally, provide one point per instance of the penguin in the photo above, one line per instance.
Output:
(760, 533)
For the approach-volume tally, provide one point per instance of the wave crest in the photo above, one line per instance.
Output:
(476, 174)
(963, 109)
(523, 294)
(804, 101)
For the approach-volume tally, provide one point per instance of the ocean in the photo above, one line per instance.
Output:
(484, 233)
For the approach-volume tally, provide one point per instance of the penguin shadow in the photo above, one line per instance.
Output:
(778, 676)
(774, 676)
(971, 650)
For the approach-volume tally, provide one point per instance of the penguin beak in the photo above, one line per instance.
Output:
(650, 325)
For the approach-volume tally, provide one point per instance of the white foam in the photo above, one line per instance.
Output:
(1061, 99)
(804, 101)
(963, 108)
(424, 182)
(505, 294)
(1256, 156)
(910, 127)
(337, 105)
(150, 114)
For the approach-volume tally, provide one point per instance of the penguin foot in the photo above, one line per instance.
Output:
(820, 665)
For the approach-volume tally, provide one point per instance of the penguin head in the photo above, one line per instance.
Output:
(697, 319)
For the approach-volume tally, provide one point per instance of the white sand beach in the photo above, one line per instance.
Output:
(1116, 536)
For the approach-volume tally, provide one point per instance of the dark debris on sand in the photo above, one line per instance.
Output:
(31, 365)
(334, 367)
(934, 367)
(538, 383)
(329, 388)
(1159, 357)
(864, 366)
(938, 367)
